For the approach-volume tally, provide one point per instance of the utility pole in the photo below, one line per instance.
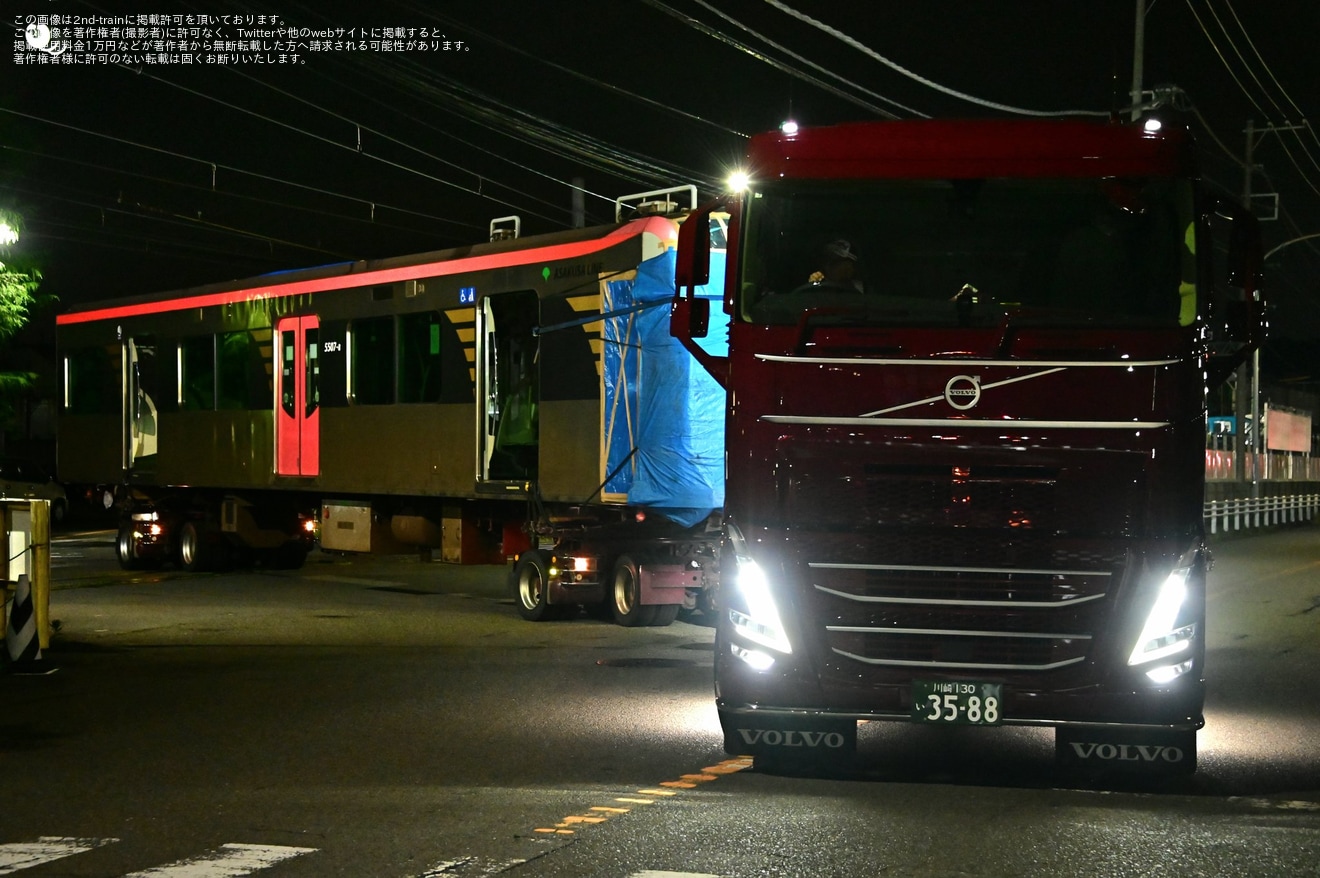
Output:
(1138, 60)
(1240, 399)
(1239, 405)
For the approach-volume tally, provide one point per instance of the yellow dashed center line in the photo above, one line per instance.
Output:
(601, 813)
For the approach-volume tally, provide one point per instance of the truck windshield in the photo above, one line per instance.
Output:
(975, 252)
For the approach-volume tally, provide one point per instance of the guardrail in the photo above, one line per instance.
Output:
(1223, 516)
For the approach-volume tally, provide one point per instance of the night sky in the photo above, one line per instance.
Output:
(135, 179)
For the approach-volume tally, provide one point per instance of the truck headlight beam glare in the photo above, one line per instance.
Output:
(1162, 637)
(760, 623)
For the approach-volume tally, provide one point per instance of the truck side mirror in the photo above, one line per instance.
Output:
(689, 317)
(689, 314)
(1231, 269)
(693, 266)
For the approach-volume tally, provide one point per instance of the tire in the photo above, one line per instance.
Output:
(124, 553)
(665, 614)
(531, 586)
(625, 595)
(194, 553)
(59, 510)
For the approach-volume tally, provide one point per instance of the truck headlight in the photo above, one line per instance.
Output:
(1163, 637)
(759, 620)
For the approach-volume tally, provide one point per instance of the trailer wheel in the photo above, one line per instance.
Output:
(665, 614)
(124, 547)
(194, 553)
(626, 595)
(531, 586)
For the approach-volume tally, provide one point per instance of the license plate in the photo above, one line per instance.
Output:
(977, 704)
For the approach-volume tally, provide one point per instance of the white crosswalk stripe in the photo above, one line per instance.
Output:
(227, 861)
(230, 861)
(46, 849)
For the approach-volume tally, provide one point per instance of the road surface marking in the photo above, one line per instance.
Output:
(46, 849)
(229, 861)
(687, 782)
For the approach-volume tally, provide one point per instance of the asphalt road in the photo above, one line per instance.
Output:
(388, 717)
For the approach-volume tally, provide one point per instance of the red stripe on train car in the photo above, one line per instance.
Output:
(441, 268)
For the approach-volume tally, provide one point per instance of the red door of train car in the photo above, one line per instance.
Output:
(297, 401)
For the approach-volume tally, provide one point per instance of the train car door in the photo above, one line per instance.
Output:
(297, 396)
(507, 387)
(140, 417)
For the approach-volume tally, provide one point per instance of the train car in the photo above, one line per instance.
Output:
(426, 401)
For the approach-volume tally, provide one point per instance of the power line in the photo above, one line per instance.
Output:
(371, 221)
(1263, 63)
(581, 76)
(1264, 91)
(162, 215)
(215, 165)
(510, 121)
(766, 59)
(871, 53)
(813, 65)
(406, 76)
(343, 146)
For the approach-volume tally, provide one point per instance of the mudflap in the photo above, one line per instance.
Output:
(792, 744)
(1125, 749)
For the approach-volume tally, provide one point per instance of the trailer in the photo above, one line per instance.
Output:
(487, 403)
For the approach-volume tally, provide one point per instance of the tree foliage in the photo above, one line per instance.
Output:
(18, 294)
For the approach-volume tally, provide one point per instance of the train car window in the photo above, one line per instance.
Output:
(419, 357)
(167, 353)
(372, 361)
(244, 382)
(197, 374)
(288, 384)
(333, 386)
(312, 372)
(91, 381)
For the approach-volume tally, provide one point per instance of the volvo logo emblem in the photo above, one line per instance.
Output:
(963, 391)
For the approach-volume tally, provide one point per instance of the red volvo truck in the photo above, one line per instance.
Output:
(964, 470)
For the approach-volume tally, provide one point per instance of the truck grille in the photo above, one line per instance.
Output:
(1002, 619)
(1000, 569)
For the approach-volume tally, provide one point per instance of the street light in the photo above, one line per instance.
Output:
(8, 234)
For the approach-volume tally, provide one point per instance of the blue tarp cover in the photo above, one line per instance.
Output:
(660, 401)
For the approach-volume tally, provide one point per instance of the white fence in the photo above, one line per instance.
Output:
(1223, 516)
